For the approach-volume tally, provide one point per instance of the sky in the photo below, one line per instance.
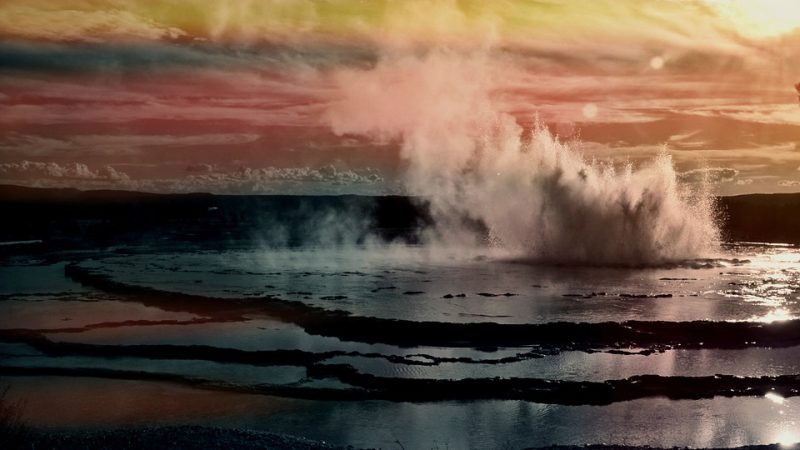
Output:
(241, 96)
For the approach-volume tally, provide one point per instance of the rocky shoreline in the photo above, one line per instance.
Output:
(174, 437)
(209, 438)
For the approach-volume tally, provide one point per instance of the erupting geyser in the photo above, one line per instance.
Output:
(537, 196)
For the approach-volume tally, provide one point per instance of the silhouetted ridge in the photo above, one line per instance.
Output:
(69, 218)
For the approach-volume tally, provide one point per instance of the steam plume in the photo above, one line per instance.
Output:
(536, 195)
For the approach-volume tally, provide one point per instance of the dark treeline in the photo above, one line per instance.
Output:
(761, 218)
(69, 218)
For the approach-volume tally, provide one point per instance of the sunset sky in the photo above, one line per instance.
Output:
(235, 96)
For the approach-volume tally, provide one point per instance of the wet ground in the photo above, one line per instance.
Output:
(380, 346)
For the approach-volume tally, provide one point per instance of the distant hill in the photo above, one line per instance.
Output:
(761, 217)
(21, 194)
(74, 218)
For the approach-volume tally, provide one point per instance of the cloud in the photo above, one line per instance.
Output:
(217, 95)
(28, 170)
(688, 141)
(245, 179)
(721, 165)
(117, 145)
(106, 57)
(773, 114)
(201, 168)
(79, 21)
(777, 155)
(75, 69)
(532, 31)
(789, 183)
(200, 178)
(139, 56)
(713, 175)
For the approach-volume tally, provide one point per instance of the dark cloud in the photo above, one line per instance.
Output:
(89, 57)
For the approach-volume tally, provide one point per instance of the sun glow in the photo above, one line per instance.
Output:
(787, 438)
(774, 398)
(759, 19)
(776, 315)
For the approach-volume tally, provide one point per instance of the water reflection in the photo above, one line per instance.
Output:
(776, 315)
(764, 285)
(718, 422)
(788, 438)
(765, 289)
(774, 398)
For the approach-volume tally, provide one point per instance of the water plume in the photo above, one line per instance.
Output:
(534, 194)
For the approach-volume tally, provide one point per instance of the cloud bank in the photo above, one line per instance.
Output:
(197, 178)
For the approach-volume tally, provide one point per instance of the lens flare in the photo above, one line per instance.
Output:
(657, 63)
(787, 438)
(590, 111)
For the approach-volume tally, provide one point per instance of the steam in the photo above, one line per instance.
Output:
(535, 194)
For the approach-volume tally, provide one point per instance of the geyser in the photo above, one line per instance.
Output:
(536, 194)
